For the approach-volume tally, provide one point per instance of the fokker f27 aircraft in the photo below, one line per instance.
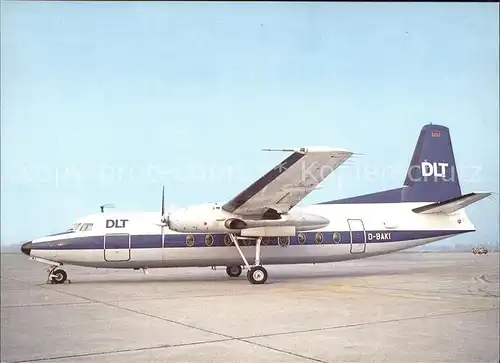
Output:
(264, 224)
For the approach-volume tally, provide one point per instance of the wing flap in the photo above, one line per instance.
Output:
(452, 205)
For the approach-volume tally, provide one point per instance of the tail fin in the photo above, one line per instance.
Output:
(432, 175)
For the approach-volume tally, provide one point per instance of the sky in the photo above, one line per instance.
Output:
(106, 102)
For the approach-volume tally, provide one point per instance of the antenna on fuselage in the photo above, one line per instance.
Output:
(106, 206)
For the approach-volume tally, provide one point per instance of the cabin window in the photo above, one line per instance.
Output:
(301, 238)
(319, 237)
(284, 241)
(227, 240)
(265, 241)
(190, 240)
(336, 237)
(209, 240)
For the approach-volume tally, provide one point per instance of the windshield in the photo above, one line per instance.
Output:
(80, 227)
(73, 228)
(86, 227)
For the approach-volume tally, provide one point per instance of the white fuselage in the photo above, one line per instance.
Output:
(137, 240)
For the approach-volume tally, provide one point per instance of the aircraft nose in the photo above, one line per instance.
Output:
(26, 248)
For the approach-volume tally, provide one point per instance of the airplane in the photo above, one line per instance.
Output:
(265, 224)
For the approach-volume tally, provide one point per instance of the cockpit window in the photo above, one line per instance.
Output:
(86, 227)
(73, 228)
(80, 227)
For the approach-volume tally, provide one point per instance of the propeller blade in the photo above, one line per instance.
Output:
(164, 220)
(163, 201)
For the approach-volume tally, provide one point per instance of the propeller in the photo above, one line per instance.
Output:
(164, 221)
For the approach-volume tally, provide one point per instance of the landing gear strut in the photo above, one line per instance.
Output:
(256, 274)
(57, 275)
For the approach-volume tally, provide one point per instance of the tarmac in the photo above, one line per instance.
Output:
(404, 307)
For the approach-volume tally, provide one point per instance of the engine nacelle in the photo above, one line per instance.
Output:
(301, 222)
(196, 219)
(235, 223)
(206, 218)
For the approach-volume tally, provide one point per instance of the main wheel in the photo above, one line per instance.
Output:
(233, 271)
(257, 275)
(59, 276)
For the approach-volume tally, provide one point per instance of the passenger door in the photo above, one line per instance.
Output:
(358, 235)
(117, 247)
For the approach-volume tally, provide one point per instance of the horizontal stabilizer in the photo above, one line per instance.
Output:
(452, 205)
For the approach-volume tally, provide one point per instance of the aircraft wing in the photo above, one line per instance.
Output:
(287, 183)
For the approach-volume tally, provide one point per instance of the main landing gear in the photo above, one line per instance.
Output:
(57, 275)
(256, 274)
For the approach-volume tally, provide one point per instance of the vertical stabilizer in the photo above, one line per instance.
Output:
(432, 175)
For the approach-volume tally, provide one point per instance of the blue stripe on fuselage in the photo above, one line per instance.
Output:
(179, 240)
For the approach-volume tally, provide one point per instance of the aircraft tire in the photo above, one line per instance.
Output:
(60, 276)
(233, 271)
(257, 275)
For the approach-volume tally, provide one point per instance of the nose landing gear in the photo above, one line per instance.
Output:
(57, 275)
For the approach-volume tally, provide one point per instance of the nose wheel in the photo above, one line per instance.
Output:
(57, 275)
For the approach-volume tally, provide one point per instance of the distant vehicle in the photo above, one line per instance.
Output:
(480, 250)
